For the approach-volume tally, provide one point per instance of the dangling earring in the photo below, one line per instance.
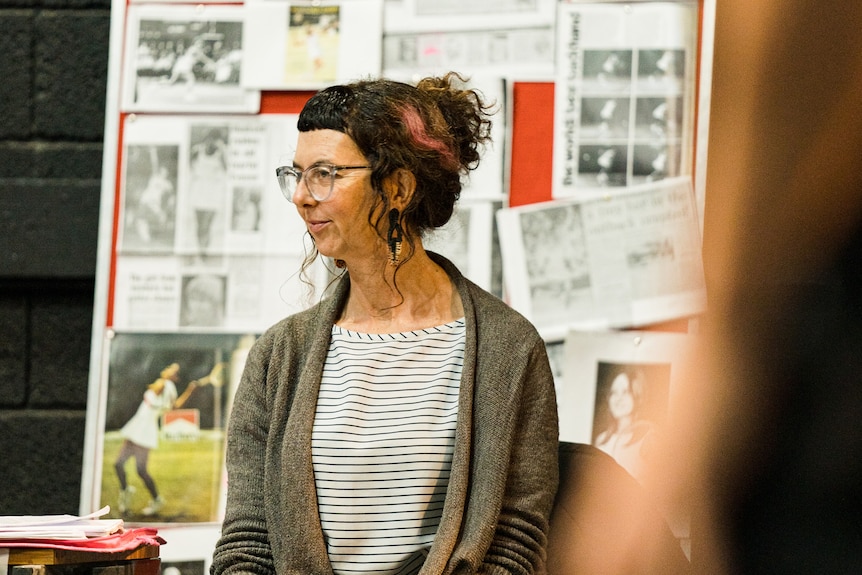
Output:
(395, 236)
(340, 264)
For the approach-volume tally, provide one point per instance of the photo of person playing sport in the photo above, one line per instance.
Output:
(312, 44)
(141, 432)
(164, 429)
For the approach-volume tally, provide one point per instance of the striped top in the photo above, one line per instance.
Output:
(382, 444)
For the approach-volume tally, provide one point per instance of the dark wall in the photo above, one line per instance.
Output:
(53, 72)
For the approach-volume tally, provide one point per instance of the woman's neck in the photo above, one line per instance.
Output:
(420, 295)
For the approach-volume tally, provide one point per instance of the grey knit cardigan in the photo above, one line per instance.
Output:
(504, 470)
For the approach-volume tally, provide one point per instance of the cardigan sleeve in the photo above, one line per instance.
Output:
(244, 543)
(520, 538)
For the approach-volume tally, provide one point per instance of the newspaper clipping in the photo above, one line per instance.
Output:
(624, 95)
(304, 45)
(623, 261)
(206, 238)
(186, 59)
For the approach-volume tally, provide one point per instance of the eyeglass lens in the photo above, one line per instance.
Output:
(319, 180)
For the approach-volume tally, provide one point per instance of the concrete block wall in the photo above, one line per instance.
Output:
(53, 72)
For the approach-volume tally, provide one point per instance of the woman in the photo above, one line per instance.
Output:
(184, 65)
(141, 434)
(203, 301)
(627, 435)
(408, 422)
(208, 188)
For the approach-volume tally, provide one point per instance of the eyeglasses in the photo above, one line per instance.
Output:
(319, 179)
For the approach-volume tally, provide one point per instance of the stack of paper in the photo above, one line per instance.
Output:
(65, 527)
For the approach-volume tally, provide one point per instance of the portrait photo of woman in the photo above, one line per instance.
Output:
(631, 402)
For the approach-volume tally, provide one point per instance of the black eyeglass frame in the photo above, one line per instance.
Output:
(283, 172)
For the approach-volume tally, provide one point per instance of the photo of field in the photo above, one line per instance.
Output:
(187, 471)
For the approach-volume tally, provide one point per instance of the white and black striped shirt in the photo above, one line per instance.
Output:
(382, 445)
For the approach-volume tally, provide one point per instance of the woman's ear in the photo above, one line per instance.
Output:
(399, 187)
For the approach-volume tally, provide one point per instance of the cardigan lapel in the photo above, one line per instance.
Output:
(449, 530)
(303, 519)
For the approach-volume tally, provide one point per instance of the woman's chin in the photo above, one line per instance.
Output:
(327, 253)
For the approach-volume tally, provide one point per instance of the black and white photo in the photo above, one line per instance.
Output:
(182, 59)
(622, 83)
(150, 198)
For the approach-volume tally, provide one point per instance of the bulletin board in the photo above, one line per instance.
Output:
(585, 213)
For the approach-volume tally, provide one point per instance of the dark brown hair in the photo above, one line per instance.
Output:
(435, 130)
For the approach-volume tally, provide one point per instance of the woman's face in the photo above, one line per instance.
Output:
(339, 225)
(621, 402)
(170, 371)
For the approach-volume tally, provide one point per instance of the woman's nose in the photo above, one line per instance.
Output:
(301, 195)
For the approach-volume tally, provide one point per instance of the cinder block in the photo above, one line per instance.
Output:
(74, 4)
(16, 94)
(61, 324)
(78, 160)
(53, 75)
(71, 63)
(48, 228)
(43, 459)
(13, 349)
(23, 3)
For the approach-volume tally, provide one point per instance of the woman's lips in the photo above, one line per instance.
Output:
(315, 226)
